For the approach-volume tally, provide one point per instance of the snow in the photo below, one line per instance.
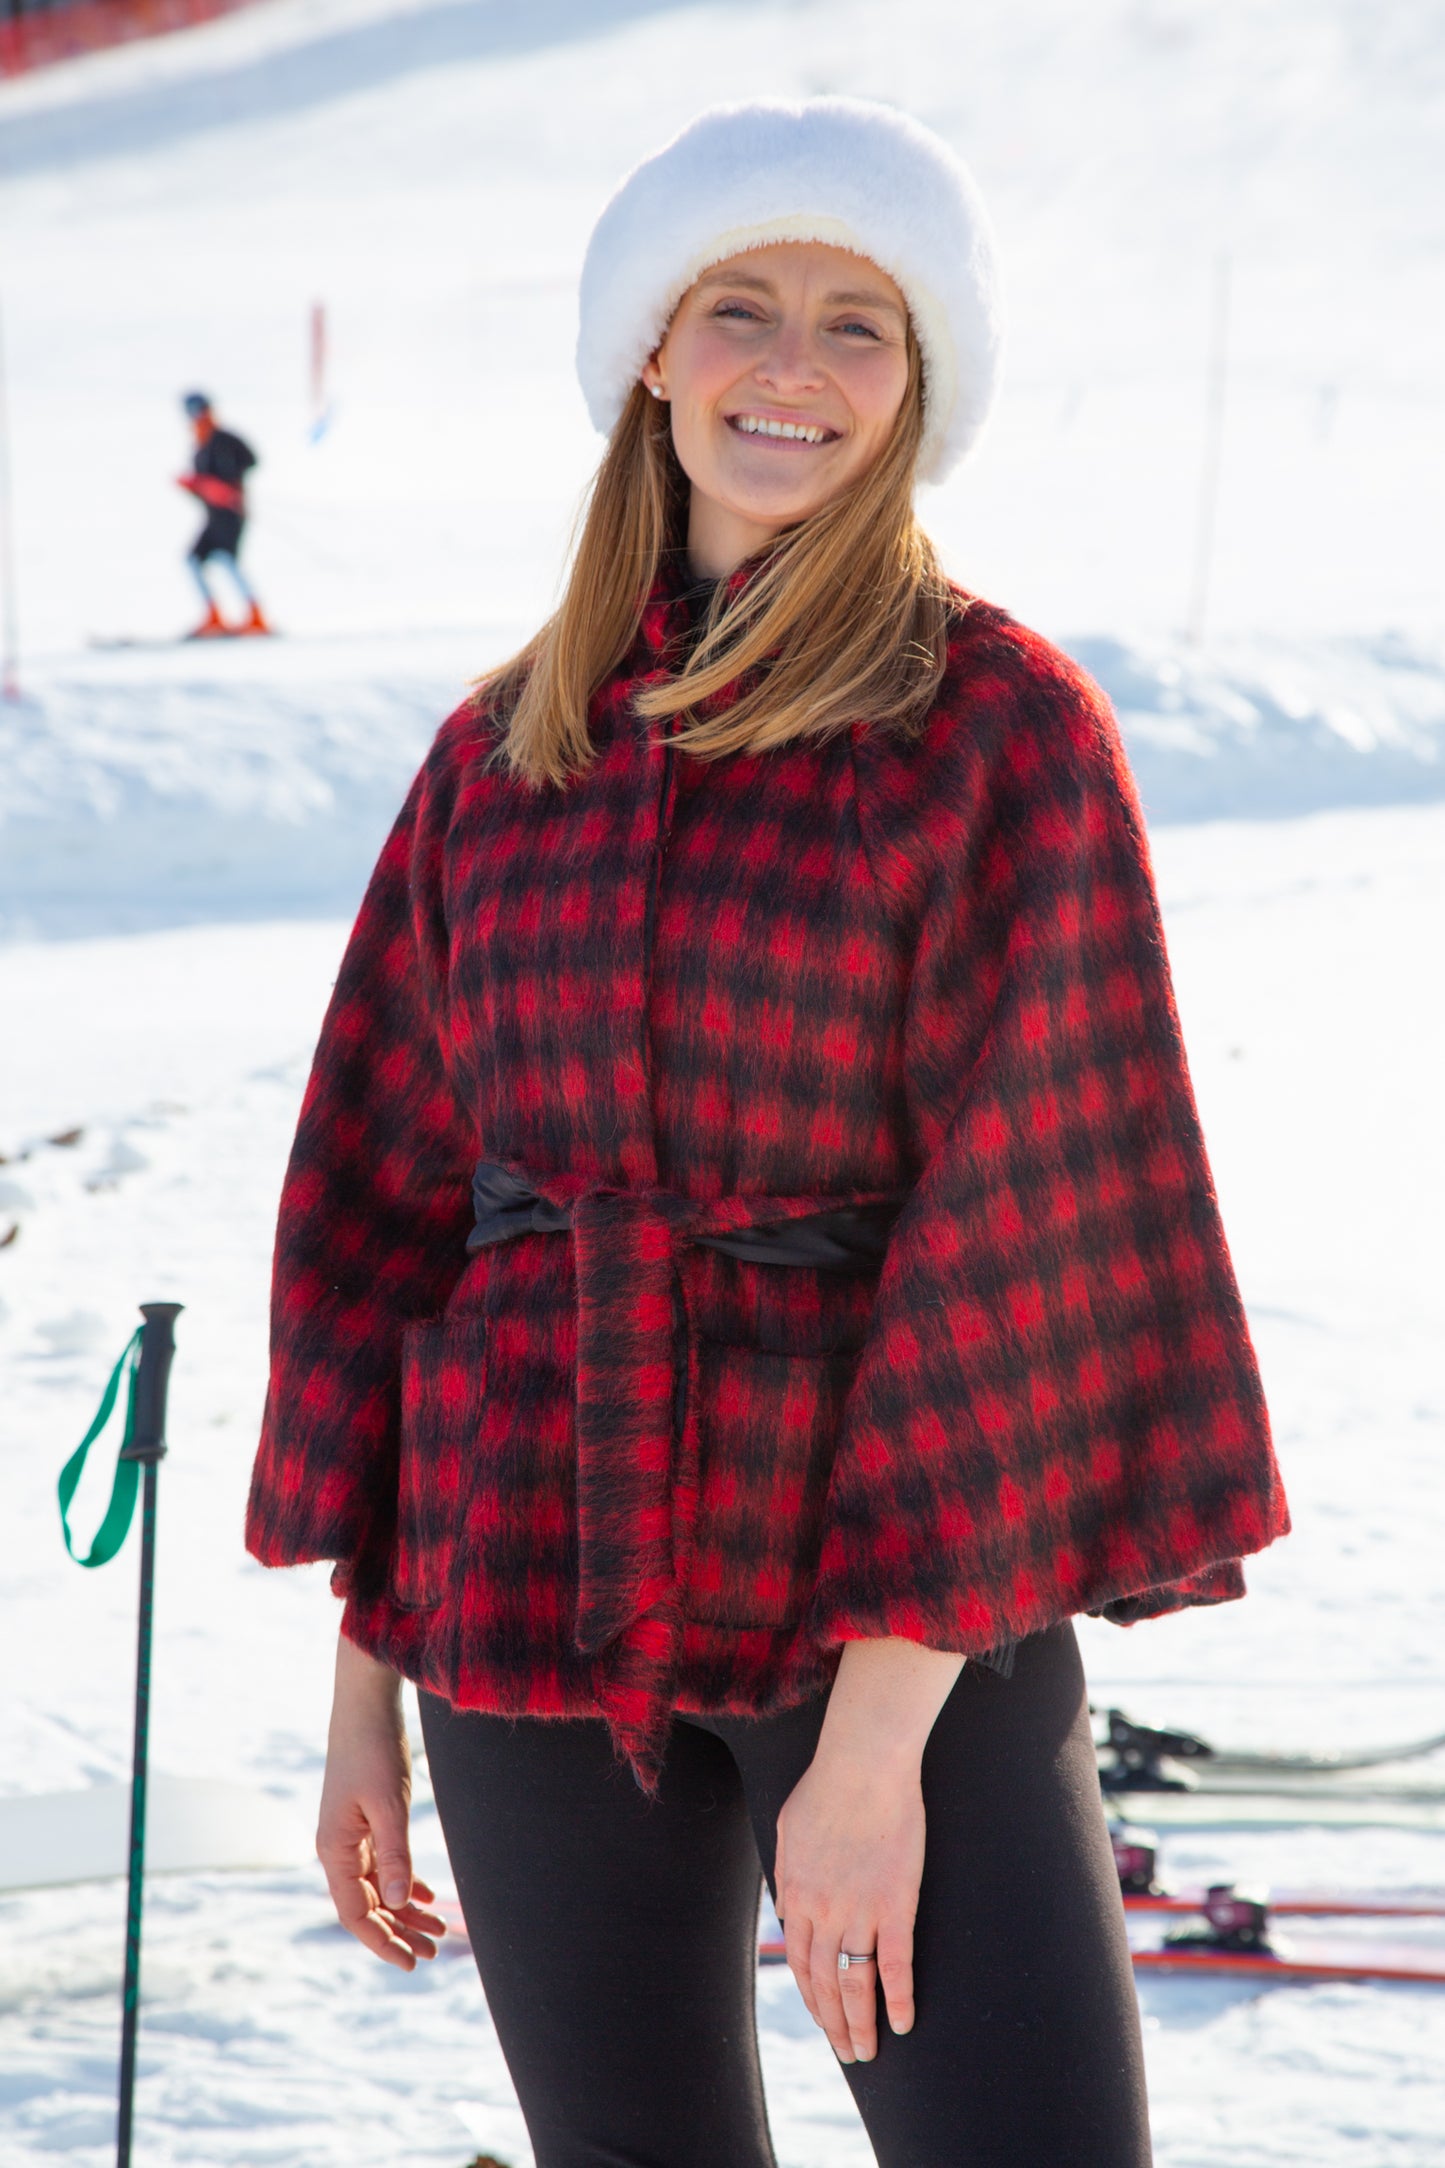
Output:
(140, 791)
(183, 835)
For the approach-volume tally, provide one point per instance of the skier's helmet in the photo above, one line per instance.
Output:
(196, 404)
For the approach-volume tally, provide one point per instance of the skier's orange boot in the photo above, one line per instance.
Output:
(212, 626)
(255, 622)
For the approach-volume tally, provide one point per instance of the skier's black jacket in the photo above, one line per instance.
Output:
(225, 457)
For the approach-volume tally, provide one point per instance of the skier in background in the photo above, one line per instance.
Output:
(217, 477)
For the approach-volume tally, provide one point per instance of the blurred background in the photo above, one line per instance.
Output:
(1215, 475)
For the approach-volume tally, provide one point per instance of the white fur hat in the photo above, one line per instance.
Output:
(845, 171)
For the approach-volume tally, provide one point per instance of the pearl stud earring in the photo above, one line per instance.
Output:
(656, 390)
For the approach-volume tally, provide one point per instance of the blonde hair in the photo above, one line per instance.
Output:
(845, 618)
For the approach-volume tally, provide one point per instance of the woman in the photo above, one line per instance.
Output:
(748, 1273)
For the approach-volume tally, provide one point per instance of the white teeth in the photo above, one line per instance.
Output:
(754, 425)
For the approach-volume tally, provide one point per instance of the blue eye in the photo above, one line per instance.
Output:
(866, 329)
(735, 308)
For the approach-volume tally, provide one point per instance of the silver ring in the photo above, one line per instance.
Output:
(855, 1957)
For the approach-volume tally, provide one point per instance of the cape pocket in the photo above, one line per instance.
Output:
(767, 1434)
(442, 1376)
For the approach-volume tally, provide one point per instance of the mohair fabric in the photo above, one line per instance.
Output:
(849, 172)
(611, 1470)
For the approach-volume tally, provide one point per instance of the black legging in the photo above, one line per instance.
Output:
(615, 1937)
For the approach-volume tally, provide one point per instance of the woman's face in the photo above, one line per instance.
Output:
(797, 338)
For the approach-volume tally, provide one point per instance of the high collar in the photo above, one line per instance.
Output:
(668, 613)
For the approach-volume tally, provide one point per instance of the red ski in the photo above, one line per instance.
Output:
(1268, 1964)
(1235, 1938)
(1206, 1953)
(1297, 1904)
(1136, 1855)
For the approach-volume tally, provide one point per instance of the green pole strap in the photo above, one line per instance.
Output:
(112, 1531)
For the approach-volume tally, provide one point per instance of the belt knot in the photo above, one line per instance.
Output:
(635, 1424)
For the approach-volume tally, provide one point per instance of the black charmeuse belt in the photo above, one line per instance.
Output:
(636, 1397)
(837, 1238)
(636, 1392)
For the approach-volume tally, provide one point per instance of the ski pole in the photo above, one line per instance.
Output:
(146, 1445)
(146, 1366)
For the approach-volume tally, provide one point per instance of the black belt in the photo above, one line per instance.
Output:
(841, 1238)
(632, 1359)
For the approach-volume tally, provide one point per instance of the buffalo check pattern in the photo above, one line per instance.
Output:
(616, 1472)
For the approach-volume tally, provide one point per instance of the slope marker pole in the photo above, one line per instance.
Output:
(320, 406)
(1209, 473)
(9, 615)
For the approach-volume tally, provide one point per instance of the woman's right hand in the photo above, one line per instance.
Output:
(361, 1835)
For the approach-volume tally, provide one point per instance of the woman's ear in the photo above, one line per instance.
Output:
(652, 377)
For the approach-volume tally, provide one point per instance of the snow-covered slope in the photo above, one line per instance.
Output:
(241, 781)
(430, 171)
(1300, 950)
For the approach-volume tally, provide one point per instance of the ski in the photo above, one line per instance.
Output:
(1223, 1955)
(1255, 1807)
(111, 644)
(1403, 1965)
(1234, 1936)
(1142, 1758)
(1379, 1757)
(1136, 1859)
(1270, 1963)
(1295, 1904)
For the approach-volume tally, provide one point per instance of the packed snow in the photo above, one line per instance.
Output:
(183, 836)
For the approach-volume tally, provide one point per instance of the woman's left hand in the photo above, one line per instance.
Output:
(850, 1840)
(849, 1863)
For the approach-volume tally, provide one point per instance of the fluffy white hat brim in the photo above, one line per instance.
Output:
(843, 171)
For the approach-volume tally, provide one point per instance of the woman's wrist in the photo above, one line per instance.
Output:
(364, 1678)
(884, 1701)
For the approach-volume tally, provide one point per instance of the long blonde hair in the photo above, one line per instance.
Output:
(844, 619)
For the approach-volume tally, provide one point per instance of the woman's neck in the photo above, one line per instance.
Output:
(719, 539)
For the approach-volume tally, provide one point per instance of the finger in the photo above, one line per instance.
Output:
(422, 1894)
(420, 1939)
(417, 1915)
(421, 1929)
(823, 1958)
(373, 1925)
(387, 1822)
(797, 1936)
(858, 1993)
(392, 1929)
(399, 1934)
(895, 1972)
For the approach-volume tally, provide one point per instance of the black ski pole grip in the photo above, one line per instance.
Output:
(153, 1377)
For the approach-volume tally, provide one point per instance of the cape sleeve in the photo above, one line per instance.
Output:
(374, 1213)
(1057, 1408)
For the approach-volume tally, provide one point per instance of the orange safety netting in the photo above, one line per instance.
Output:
(62, 33)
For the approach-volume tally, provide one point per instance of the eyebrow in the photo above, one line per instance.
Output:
(859, 298)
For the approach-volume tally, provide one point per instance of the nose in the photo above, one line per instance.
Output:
(792, 363)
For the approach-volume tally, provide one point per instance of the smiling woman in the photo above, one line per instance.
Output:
(748, 1274)
(784, 386)
(844, 609)
(818, 266)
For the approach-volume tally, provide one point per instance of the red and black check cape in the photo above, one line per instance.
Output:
(681, 994)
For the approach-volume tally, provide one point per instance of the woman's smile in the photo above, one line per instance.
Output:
(780, 429)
